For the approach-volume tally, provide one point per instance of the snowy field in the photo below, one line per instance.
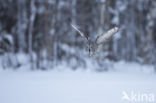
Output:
(78, 86)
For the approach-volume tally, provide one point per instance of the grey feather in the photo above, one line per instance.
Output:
(81, 33)
(105, 37)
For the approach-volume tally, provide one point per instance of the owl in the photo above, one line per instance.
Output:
(93, 45)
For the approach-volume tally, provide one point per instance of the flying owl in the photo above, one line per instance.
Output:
(93, 45)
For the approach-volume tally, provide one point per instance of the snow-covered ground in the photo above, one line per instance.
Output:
(79, 86)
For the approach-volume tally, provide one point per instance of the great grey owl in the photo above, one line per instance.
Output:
(93, 45)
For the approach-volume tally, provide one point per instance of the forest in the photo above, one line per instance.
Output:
(77, 51)
(39, 32)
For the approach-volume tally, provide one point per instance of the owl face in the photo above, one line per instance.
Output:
(92, 47)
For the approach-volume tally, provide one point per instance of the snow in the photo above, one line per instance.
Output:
(115, 20)
(81, 86)
(120, 6)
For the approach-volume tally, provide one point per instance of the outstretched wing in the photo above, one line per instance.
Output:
(81, 33)
(105, 37)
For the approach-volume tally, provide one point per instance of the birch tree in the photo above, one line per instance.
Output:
(30, 30)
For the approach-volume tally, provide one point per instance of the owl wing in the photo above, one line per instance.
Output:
(81, 33)
(105, 37)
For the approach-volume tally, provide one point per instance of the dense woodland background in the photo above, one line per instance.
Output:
(41, 30)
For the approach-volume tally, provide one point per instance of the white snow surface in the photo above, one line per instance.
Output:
(80, 86)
